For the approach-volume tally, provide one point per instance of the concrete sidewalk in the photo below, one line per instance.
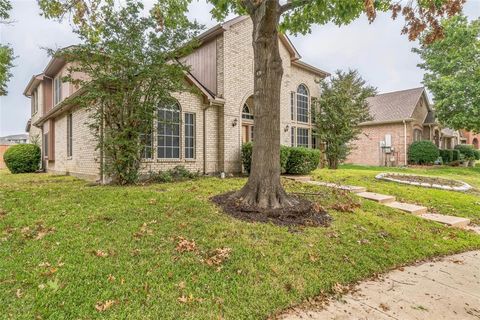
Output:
(448, 288)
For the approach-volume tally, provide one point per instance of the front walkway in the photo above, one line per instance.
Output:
(448, 288)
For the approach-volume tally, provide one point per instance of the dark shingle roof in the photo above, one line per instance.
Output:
(392, 106)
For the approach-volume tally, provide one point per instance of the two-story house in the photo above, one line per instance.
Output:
(208, 129)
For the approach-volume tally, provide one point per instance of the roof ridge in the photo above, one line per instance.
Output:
(398, 91)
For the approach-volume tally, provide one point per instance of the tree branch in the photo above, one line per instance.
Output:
(292, 4)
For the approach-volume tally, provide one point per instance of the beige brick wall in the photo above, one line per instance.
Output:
(85, 160)
(238, 86)
(367, 148)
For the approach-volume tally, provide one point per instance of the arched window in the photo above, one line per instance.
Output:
(417, 135)
(246, 114)
(475, 143)
(168, 132)
(302, 103)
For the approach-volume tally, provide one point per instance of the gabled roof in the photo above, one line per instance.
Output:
(294, 54)
(395, 106)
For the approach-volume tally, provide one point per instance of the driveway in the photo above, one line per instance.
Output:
(447, 288)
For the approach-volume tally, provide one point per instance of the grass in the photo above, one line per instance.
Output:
(462, 204)
(67, 246)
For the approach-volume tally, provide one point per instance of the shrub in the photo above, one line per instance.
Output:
(477, 154)
(302, 160)
(466, 150)
(247, 157)
(447, 155)
(422, 152)
(456, 155)
(179, 173)
(22, 158)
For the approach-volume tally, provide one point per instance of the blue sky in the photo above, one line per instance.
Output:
(382, 56)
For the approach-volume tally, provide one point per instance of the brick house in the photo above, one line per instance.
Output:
(399, 118)
(468, 137)
(211, 126)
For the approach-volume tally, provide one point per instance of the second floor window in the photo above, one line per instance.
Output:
(168, 132)
(246, 113)
(302, 104)
(35, 102)
(57, 90)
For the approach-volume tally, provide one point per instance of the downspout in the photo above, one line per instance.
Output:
(405, 142)
(204, 141)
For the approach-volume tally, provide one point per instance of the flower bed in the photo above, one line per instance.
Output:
(423, 181)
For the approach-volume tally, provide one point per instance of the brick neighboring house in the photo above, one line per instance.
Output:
(468, 137)
(399, 118)
(211, 127)
(7, 141)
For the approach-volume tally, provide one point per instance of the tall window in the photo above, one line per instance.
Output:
(35, 102)
(292, 105)
(292, 136)
(302, 103)
(417, 135)
(190, 135)
(246, 113)
(69, 135)
(147, 142)
(57, 90)
(45, 145)
(168, 132)
(302, 137)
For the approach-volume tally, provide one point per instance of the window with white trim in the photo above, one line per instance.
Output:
(292, 136)
(189, 135)
(302, 104)
(168, 132)
(57, 90)
(246, 113)
(35, 102)
(45, 145)
(69, 135)
(302, 137)
(292, 105)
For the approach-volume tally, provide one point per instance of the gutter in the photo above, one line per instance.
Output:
(374, 123)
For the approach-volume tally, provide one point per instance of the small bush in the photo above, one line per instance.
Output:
(247, 157)
(477, 154)
(422, 152)
(466, 150)
(456, 155)
(22, 158)
(179, 173)
(302, 160)
(447, 156)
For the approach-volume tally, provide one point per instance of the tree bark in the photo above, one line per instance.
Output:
(263, 189)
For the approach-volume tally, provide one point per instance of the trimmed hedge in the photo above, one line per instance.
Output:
(302, 160)
(477, 154)
(466, 150)
(22, 158)
(423, 152)
(447, 155)
(292, 160)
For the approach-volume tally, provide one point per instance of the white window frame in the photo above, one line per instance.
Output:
(57, 85)
(297, 104)
(193, 136)
(69, 135)
(174, 108)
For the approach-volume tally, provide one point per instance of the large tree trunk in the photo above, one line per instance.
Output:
(263, 189)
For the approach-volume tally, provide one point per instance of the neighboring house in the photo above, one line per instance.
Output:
(468, 137)
(7, 141)
(399, 118)
(211, 127)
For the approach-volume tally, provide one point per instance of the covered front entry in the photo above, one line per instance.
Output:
(247, 121)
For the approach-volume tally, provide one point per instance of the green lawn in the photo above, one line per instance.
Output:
(66, 246)
(463, 204)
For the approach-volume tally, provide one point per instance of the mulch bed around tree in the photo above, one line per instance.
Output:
(305, 213)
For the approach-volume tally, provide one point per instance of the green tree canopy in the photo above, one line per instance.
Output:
(6, 52)
(452, 75)
(130, 68)
(338, 112)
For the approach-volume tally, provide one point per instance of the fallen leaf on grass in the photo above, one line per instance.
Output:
(184, 245)
(181, 285)
(111, 278)
(19, 293)
(104, 306)
(218, 256)
(152, 201)
(36, 233)
(144, 231)
(50, 272)
(339, 288)
(100, 253)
